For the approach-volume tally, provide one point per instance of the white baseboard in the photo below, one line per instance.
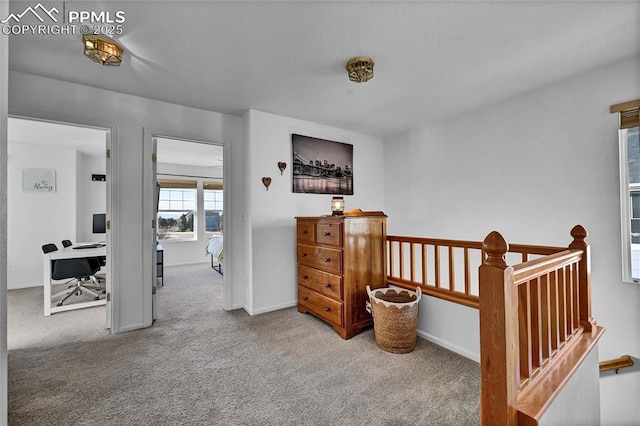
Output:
(447, 345)
(25, 286)
(271, 308)
(203, 262)
(130, 327)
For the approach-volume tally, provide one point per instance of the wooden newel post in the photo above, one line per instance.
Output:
(579, 234)
(498, 335)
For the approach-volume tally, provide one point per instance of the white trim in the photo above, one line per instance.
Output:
(112, 309)
(271, 308)
(132, 327)
(625, 212)
(199, 262)
(149, 254)
(454, 348)
(227, 278)
(4, 112)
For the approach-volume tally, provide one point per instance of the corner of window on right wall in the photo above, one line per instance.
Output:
(629, 137)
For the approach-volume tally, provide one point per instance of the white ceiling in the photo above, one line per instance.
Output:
(92, 142)
(88, 141)
(434, 59)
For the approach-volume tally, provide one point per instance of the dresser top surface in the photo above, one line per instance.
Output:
(346, 216)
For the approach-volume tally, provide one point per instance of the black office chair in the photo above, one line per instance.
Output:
(80, 270)
(99, 261)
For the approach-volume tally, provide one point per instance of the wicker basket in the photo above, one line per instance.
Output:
(395, 318)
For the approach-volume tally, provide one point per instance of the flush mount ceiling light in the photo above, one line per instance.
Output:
(360, 69)
(102, 49)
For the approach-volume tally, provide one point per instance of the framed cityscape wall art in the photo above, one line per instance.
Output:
(321, 166)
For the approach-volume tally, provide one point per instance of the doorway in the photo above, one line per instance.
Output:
(73, 159)
(189, 211)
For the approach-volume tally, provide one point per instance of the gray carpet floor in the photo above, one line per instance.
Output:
(200, 365)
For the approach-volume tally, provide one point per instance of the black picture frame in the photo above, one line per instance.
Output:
(321, 166)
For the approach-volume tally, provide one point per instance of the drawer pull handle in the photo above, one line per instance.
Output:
(305, 277)
(305, 298)
(304, 232)
(327, 285)
(327, 260)
(304, 255)
(326, 234)
(327, 309)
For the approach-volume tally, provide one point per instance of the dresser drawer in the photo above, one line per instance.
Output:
(329, 233)
(306, 231)
(325, 259)
(327, 284)
(323, 306)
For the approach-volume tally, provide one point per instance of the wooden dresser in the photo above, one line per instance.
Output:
(338, 256)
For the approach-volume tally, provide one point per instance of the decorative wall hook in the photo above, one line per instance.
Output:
(282, 165)
(266, 181)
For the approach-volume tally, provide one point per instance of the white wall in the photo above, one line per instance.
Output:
(129, 117)
(580, 391)
(4, 85)
(273, 212)
(91, 196)
(530, 167)
(37, 218)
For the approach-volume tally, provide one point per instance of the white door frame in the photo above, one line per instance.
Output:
(149, 181)
(110, 194)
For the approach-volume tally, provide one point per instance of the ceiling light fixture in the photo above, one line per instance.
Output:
(360, 69)
(102, 49)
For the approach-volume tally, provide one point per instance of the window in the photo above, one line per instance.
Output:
(213, 212)
(189, 209)
(630, 202)
(630, 187)
(177, 209)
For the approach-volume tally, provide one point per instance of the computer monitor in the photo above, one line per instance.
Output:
(100, 223)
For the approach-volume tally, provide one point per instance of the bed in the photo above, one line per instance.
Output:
(215, 250)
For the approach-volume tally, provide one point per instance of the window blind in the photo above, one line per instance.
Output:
(212, 185)
(175, 183)
(629, 113)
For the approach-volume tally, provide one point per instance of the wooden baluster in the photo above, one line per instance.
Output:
(564, 309)
(554, 310)
(570, 306)
(579, 234)
(534, 299)
(498, 335)
(412, 252)
(401, 259)
(436, 261)
(425, 263)
(452, 267)
(575, 279)
(545, 315)
(524, 332)
(467, 273)
(392, 264)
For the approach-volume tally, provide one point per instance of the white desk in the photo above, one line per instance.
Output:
(67, 253)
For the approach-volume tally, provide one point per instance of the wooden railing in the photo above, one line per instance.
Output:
(616, 364)
(535, 317)
(535, 328)
(447, 269)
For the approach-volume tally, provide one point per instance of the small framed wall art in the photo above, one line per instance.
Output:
(38, 180)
